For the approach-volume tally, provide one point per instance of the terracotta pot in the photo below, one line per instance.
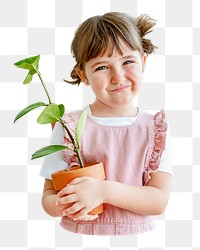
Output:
(61, 178)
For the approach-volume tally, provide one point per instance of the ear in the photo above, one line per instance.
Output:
(82, 76)
(144, 59)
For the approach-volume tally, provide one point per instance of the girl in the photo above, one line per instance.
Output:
(111, 52)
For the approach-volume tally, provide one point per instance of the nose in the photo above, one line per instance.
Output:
(117, 76)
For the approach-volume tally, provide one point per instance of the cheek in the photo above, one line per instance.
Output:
(135, 74)
(98, 83)
(97, 88)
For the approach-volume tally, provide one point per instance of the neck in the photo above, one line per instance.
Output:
(99, 109)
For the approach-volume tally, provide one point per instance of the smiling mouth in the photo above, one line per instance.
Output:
(120, 89)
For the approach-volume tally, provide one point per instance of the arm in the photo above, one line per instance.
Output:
(145, 200)
(87, 193)
(49, 198)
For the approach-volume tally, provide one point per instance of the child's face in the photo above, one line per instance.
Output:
(115, 79)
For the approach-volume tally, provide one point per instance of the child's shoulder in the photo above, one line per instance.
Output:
(155, 115)
(154, 119)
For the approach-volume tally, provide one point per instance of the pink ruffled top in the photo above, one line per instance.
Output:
(129, 154)
(157, 144)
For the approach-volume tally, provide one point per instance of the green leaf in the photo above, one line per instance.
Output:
(48, 150)
(49, 115)
(28, 109)
(35, 62)
(62, 109)
(30, 63)
(29, 77)
(80, 125)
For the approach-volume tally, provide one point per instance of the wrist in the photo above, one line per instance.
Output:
(105, 188)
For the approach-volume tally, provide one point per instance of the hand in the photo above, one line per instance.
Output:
(87, 217)
(85, 193)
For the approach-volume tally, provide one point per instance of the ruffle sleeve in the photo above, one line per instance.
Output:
(69, 155)
(157, 144)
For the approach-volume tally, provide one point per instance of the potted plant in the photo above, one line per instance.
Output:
(53, 113)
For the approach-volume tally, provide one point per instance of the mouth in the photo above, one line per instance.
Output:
(120, 89)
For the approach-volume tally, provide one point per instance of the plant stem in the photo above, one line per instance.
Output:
(79, 157)
(43, 84)
(68, 132)
(76, 147)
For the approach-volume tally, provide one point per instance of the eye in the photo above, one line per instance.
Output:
(100, 68)
(128, 62)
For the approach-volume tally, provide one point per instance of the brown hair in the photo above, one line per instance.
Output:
(98, 34)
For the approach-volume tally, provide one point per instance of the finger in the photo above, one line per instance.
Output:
(66, 200)
(87, 217)
(73, 209)
(83, 212)
(66, 190)
(78, 180)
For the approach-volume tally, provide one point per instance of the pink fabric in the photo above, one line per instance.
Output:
(70, 156)
(129, 154)
(159, 131)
